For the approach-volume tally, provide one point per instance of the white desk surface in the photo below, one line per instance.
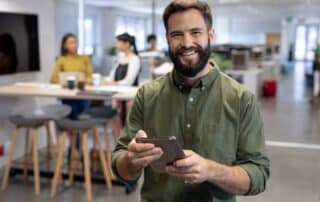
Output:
(41, 89)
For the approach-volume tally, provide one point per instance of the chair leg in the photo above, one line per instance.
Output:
(72, 157)
(94, 157)
(87, 174)
(50, 147)
(103, 161)
(59, 161)
(117, 127)
(26, 155)
(8, 165)
(35, 156)
(108, 148)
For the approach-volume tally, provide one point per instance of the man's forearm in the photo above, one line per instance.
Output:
(232, 179)
(126, 170)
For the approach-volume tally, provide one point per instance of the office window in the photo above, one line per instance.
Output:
(222, 28)
(161, 35)
(135, 26)
(89, 36)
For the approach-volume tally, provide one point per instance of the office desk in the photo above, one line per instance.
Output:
(54, 90)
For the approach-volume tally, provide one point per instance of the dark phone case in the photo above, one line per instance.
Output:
(171, 149)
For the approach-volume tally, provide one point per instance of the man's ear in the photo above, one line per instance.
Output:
(212, 35)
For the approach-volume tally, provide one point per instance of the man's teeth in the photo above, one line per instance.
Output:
(187, 53)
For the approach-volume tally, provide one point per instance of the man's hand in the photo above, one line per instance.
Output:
(192, 169)
(139, 155)
(142, 154)
(196, 169)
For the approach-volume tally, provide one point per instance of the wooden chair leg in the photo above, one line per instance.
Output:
(108, 148)
(35, 157)
(8, 165)
(87, 174)
(26, 155)
(50, 146)
(59, 161)
(103, 161)
(116, 127)
(94, 156)
(73, 142)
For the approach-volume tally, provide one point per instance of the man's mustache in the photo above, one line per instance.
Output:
(185, 49)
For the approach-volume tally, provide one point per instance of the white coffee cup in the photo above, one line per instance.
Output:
(96, 79)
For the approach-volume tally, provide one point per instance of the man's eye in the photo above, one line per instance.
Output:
(196, 33)
(176, 35)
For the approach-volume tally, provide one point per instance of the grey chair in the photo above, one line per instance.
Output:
(72, 129)
(40, 118)
(103, 116)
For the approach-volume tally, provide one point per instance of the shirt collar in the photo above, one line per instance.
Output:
(201, 84)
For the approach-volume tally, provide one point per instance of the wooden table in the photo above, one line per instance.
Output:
(40, 89)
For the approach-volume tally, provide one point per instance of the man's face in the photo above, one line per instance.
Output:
(189, 42)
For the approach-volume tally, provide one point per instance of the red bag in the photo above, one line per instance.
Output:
(269, 88)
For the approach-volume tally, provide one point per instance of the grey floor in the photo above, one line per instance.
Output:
(295, 170)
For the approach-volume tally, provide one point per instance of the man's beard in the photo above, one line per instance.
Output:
(191, 70)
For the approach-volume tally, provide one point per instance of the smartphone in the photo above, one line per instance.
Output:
(170, 147)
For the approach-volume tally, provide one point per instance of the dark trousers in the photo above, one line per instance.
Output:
(77, 107)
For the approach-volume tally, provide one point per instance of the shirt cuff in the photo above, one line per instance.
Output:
(257, 179)
(114, 158)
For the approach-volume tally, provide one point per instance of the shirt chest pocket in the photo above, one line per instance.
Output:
(217, 142)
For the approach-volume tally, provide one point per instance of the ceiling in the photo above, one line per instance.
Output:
(264, 9)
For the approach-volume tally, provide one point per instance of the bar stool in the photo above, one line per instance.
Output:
(103, 116)
(72, 128)
(40, 118)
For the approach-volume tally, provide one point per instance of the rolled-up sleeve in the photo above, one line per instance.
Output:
(251, 151)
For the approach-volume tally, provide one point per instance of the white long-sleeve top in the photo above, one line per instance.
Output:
(132, 72)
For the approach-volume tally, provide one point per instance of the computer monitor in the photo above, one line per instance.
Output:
(19, 43)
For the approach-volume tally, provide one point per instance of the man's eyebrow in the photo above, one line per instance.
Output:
(196, 29)
(189, 30)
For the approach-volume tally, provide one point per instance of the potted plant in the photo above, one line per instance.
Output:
(316, 61)
(111, 51)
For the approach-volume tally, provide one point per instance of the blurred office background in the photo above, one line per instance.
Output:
(270, 46)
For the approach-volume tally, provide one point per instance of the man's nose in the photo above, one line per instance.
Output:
(187, 41)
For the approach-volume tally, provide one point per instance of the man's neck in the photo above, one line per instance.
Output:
(192, 80)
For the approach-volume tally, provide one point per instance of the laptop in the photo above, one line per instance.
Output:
(63, 77)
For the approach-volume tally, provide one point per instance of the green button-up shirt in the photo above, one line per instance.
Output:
(217, 118)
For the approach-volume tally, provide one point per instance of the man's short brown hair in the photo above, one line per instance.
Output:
(184, 5)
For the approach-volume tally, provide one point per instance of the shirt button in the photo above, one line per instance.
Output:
(191, 99)
(188, 125)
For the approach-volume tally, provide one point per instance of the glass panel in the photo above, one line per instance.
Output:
(300, 42)
(312, 41)
(88, 41)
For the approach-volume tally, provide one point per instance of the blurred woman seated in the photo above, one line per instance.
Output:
(125, 72)
(71, 61)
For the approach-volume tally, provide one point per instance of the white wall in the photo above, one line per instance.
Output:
(45, 11)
